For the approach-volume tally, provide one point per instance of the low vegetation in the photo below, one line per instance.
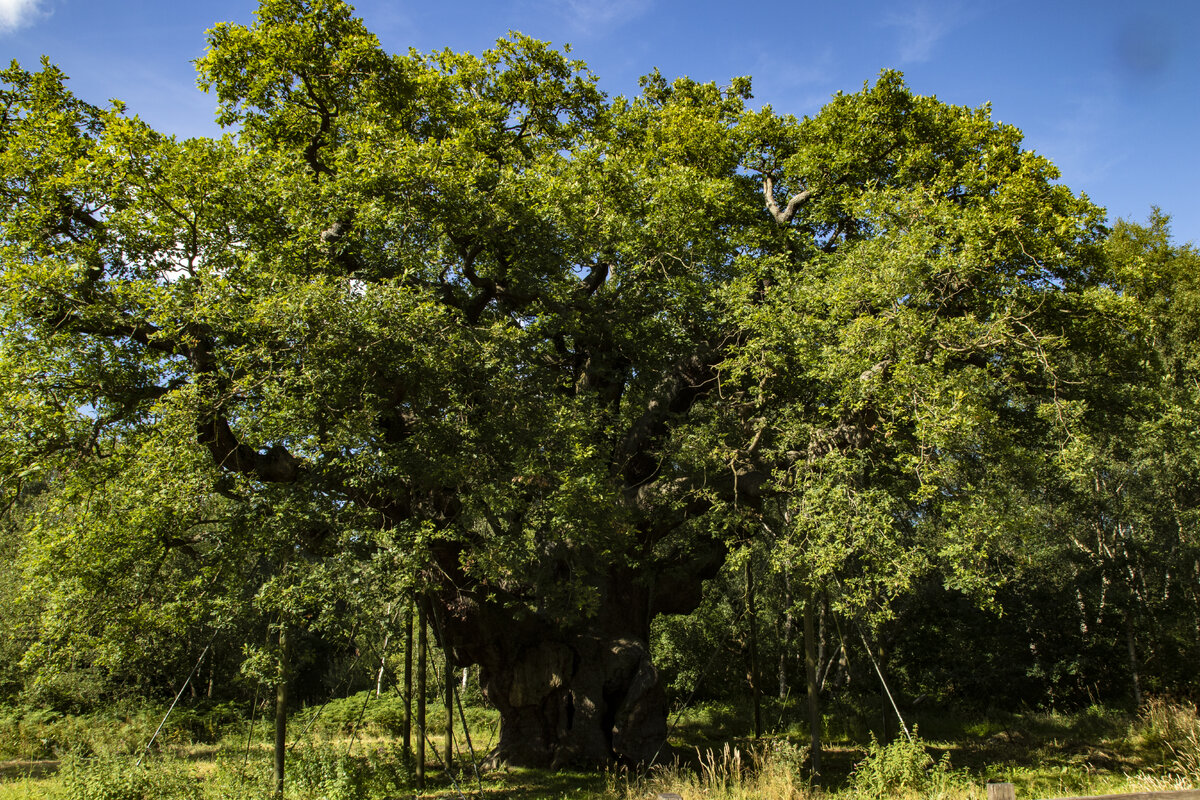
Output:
(210, 755)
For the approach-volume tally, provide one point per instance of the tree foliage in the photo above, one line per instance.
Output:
(466, 324)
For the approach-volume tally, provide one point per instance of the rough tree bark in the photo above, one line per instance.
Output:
(584, 693)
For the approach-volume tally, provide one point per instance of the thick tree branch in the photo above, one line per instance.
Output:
(690, 379)
(785, 216)
(276, 465)
(595, 278)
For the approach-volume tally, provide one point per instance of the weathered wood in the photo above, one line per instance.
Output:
(668, 796)
(1180, 794)
(752, 616)
(1001, 791)
(1006, 791)
(810, 682)
(408, 684)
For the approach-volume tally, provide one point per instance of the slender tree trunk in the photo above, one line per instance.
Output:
(449, 674)
(387, 635)
(885, 716)
(422, 664)
(752, 613)
(1196, 604)
(823, 663)
(810, 674)
(281, 691)
(408, 686)
(785, 638)
(1134, 670)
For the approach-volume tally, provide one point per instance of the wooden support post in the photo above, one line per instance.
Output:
(810, 681)
(1001, 791)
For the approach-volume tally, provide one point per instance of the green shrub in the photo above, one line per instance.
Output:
(326, 773)
(904, 765)
(202, 725)
(123, 779)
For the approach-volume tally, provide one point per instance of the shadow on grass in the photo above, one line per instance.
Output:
(11, 770)
(522, 784)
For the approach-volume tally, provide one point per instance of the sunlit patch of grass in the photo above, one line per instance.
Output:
(1045, 754)
(26, 788)
(770, 769)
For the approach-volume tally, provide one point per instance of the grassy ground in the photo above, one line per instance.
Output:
(1044, 754)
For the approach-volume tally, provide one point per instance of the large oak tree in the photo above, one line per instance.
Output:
(557, 347)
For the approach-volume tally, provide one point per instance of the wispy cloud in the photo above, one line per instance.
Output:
(921, 27)
(16, 14)
(1077, 138)
(801, 84)
(600, 16)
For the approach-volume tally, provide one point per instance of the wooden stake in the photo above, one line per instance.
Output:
(1001, 791)
(752, 613)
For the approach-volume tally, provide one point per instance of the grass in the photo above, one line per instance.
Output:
(1045, 754)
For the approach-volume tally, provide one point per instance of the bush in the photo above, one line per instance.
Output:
(201, 725)
(326, 773)
(333, 775)
(904, 765)
(382, 715)
(123, 779)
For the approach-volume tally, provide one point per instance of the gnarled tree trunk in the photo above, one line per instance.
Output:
(577, 699)
(584, 693)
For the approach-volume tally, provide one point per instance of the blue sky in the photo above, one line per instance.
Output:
(1107, 90)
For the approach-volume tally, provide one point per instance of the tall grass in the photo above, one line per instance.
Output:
(1045, 755)
(1174, 730)
(774, 769)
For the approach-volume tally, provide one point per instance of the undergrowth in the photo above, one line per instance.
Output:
(1045, 755)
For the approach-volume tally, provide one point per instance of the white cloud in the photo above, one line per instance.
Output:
(921, 28)
(17, 13)
(601, 15)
